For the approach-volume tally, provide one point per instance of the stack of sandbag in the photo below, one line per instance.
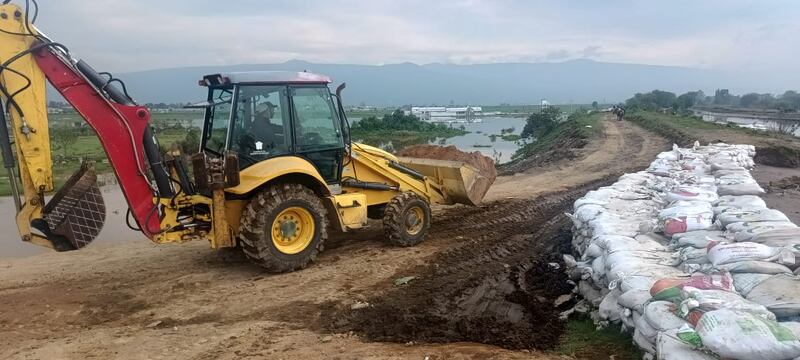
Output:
(684, 254)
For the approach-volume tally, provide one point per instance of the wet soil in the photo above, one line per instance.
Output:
(498, 287)
(475, 158)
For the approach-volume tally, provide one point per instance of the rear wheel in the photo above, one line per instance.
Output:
(406, 219)
(284, 228)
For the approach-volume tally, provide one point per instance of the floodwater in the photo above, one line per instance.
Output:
(479, 138)
(749, 121)
(114, 229)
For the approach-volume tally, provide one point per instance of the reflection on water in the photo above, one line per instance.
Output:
(114, 229)
(751, 122)
(484, 136)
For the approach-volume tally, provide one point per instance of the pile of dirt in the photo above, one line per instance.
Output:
(499, 287)
(563, 149)
(789, 183)
(483, 163)
(780, 156)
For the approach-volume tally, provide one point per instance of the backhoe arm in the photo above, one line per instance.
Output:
(75, 214)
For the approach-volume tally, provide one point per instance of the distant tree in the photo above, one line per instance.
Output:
(749, 100)
(724, 97)
(541, 123)
(64, 137)
(789, 101)
(595, 105)
(654, 100)
(689, 99)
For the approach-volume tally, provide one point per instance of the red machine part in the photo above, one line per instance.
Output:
(121, 136)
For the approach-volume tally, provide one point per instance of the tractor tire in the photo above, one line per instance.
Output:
(284, 228)
(406, 219)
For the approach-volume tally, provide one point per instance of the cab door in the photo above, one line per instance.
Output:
(317, 133)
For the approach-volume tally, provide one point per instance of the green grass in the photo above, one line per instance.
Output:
(87, 146)
(683, 130)
(510, 137)
(578, 127)
(583, 340)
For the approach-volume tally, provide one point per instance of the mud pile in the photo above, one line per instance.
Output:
(499, 287)
(451, 153)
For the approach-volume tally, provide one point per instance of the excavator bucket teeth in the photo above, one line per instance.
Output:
(76, 213)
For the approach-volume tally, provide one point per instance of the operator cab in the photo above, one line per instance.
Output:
(266, 114)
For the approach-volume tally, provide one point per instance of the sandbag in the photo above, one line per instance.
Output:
(742, 335)
(684, 224)
(643, 343)
(759, 267)
(709, 300)
(609, 309)
(780, 294)
(723, 253)
(744, 231)
(741, 201)
(635, 299)
(660, 315)
(670, 289)
(740, 189)
(698, 239)
(614, 243)
(760, 215)
(776, 236)
(670, 347)
(745, 282)
(642, 326)
(685, 208)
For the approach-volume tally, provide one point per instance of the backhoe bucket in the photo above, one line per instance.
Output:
(461, 182)
(76, 213)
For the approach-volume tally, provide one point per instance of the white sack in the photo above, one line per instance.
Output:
(780, 294)
(742, 335)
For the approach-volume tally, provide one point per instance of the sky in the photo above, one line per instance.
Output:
(131, 35)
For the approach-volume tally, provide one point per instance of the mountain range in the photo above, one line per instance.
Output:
(575, 81)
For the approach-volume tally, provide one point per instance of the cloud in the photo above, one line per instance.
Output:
(125, 35)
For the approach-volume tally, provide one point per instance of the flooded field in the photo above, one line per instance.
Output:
(484, 136)
(114, 229)
(751, 121)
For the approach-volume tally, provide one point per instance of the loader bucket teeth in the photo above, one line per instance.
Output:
(76, 213)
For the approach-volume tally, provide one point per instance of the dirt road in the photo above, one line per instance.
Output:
(479, 274)
(622, 147)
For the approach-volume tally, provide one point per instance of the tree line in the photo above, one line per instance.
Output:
(789, 101)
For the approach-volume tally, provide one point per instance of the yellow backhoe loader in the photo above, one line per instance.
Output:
(275, 172)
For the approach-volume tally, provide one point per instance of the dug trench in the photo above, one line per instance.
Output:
(502, 286)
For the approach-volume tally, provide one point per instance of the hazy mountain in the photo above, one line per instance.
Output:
(576, 81)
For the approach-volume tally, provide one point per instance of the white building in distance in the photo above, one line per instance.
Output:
(440, 113)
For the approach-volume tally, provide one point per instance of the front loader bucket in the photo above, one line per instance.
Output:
(461, 182)
(76, 213)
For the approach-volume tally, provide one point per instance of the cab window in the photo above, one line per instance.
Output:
(262, 127)
(216, 131)
(316, 123)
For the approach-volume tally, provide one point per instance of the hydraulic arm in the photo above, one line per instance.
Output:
(75, 214)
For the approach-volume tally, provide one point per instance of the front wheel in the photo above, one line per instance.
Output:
(406, 219)
(284, 228)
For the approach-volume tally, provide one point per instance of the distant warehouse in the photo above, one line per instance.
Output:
(436, 113)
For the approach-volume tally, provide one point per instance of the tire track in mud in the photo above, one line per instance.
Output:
(498, 287)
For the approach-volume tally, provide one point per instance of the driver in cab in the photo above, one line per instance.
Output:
(261, 136)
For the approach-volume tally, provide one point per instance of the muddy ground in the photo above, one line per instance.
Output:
(483, 283)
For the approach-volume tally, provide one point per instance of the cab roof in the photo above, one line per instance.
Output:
(264, 77)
